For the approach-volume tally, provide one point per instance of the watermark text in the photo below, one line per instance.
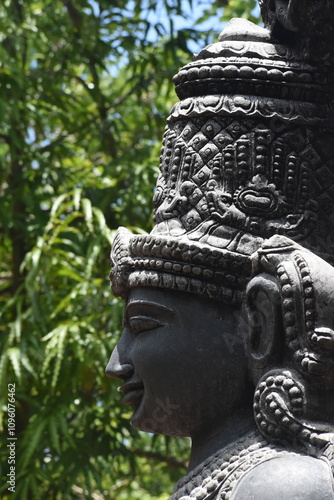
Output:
(11, 439)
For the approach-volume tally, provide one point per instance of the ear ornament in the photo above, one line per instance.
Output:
(280, 409)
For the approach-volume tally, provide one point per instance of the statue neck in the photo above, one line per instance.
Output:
(209, 441)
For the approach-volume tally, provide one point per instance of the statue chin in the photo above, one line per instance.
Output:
(229, 319)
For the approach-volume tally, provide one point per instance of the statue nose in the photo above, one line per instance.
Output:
(116, 368)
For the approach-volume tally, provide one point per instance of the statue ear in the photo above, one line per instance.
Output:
(264, 327)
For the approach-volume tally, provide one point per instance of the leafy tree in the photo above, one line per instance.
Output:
(84, 93)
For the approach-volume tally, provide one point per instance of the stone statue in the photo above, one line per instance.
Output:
(229, 319)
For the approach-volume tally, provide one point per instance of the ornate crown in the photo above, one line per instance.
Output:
(247, 154)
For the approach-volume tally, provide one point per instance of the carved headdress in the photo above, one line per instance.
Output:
(248, 153)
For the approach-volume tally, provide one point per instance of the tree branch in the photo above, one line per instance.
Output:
(62, 137)
(173, 462)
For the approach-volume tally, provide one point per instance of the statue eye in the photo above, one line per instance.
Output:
(139, 324)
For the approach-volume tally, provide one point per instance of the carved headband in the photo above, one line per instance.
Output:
(177, 264)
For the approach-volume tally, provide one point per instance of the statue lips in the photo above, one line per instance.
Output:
(133, 393)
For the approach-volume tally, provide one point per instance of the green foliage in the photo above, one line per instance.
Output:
(227, 9)
(85, 88)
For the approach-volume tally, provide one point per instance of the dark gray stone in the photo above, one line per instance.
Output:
(229, 320)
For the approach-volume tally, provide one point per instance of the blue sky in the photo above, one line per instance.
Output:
(198, 7)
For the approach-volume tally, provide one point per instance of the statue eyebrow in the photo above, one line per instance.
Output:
(149, 306)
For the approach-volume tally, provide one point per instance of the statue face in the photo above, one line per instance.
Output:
(182, 362)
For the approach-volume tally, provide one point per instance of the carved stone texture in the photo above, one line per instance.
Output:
(229, 321)
(248, 150)
(306, 24)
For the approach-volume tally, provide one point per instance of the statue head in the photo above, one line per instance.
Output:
(189, 361)
(246, 164)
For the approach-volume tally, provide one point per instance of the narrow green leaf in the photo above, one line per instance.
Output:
(76, 197)
(14, 357)
(34, 432)
(88, 213)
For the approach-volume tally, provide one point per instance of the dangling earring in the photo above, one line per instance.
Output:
(280, 408)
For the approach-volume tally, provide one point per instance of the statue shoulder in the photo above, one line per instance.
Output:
(286, 477)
